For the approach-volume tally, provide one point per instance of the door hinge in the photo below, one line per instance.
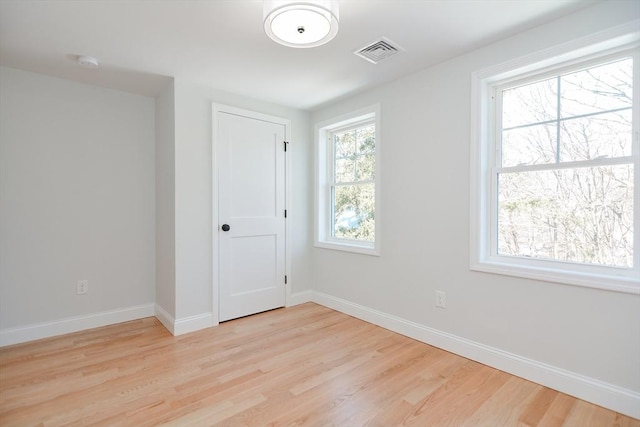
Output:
(285, 145)
(285, 213)
(285, 280)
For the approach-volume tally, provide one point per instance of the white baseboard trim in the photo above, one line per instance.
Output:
(299, 298)
(192, 323)
(184, 325)
(38, 331)
(610, 396)
(165, 318)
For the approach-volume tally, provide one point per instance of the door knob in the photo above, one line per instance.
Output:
(225, 227)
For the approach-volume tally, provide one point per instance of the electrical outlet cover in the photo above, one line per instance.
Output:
(82, 287)
(441, 299)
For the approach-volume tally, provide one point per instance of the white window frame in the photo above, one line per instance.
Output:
(483, 220)
(323, 172)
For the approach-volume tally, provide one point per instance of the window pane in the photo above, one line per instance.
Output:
(533, 103)
(366, 139)
(531, 145)
(579, 215)
(599, 136)
(354, 214)
(345, 170)
(344, 144)
(366, 167)
(597, 89)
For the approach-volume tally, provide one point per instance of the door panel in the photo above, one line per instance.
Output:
(251, 201)
(260, 272)
(253, 170)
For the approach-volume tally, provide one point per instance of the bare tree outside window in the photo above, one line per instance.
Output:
(566, 176)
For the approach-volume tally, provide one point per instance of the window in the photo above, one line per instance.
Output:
(556, 171)
(348, 172)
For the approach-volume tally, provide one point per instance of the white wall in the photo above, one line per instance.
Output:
(81, 192)
(76, 201)
(165, 202)
(425, 202)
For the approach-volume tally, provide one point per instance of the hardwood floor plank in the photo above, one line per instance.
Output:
(304, 365)
(587, 415)
(457, 400)
(538, 406)
(506, 405)
(557, 413)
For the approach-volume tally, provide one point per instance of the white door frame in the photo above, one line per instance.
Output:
(217, 109)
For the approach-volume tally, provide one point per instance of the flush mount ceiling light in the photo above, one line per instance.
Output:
(301, 23)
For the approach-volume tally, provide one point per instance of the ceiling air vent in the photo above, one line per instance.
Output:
(378, 50)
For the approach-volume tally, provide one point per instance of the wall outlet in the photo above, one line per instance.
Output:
(82, 287)
(441, 299)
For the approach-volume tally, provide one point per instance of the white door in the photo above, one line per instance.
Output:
(250, 151)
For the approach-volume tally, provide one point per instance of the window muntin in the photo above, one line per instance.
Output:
(581, 115)
(563, 180)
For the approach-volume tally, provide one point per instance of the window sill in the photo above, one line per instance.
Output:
(609, 282)
(349, 247)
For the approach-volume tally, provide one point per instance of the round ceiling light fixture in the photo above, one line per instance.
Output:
(301, 23)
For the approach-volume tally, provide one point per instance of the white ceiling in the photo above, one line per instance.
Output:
(221, 43)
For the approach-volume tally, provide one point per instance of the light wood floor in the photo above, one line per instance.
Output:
(305, 365)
